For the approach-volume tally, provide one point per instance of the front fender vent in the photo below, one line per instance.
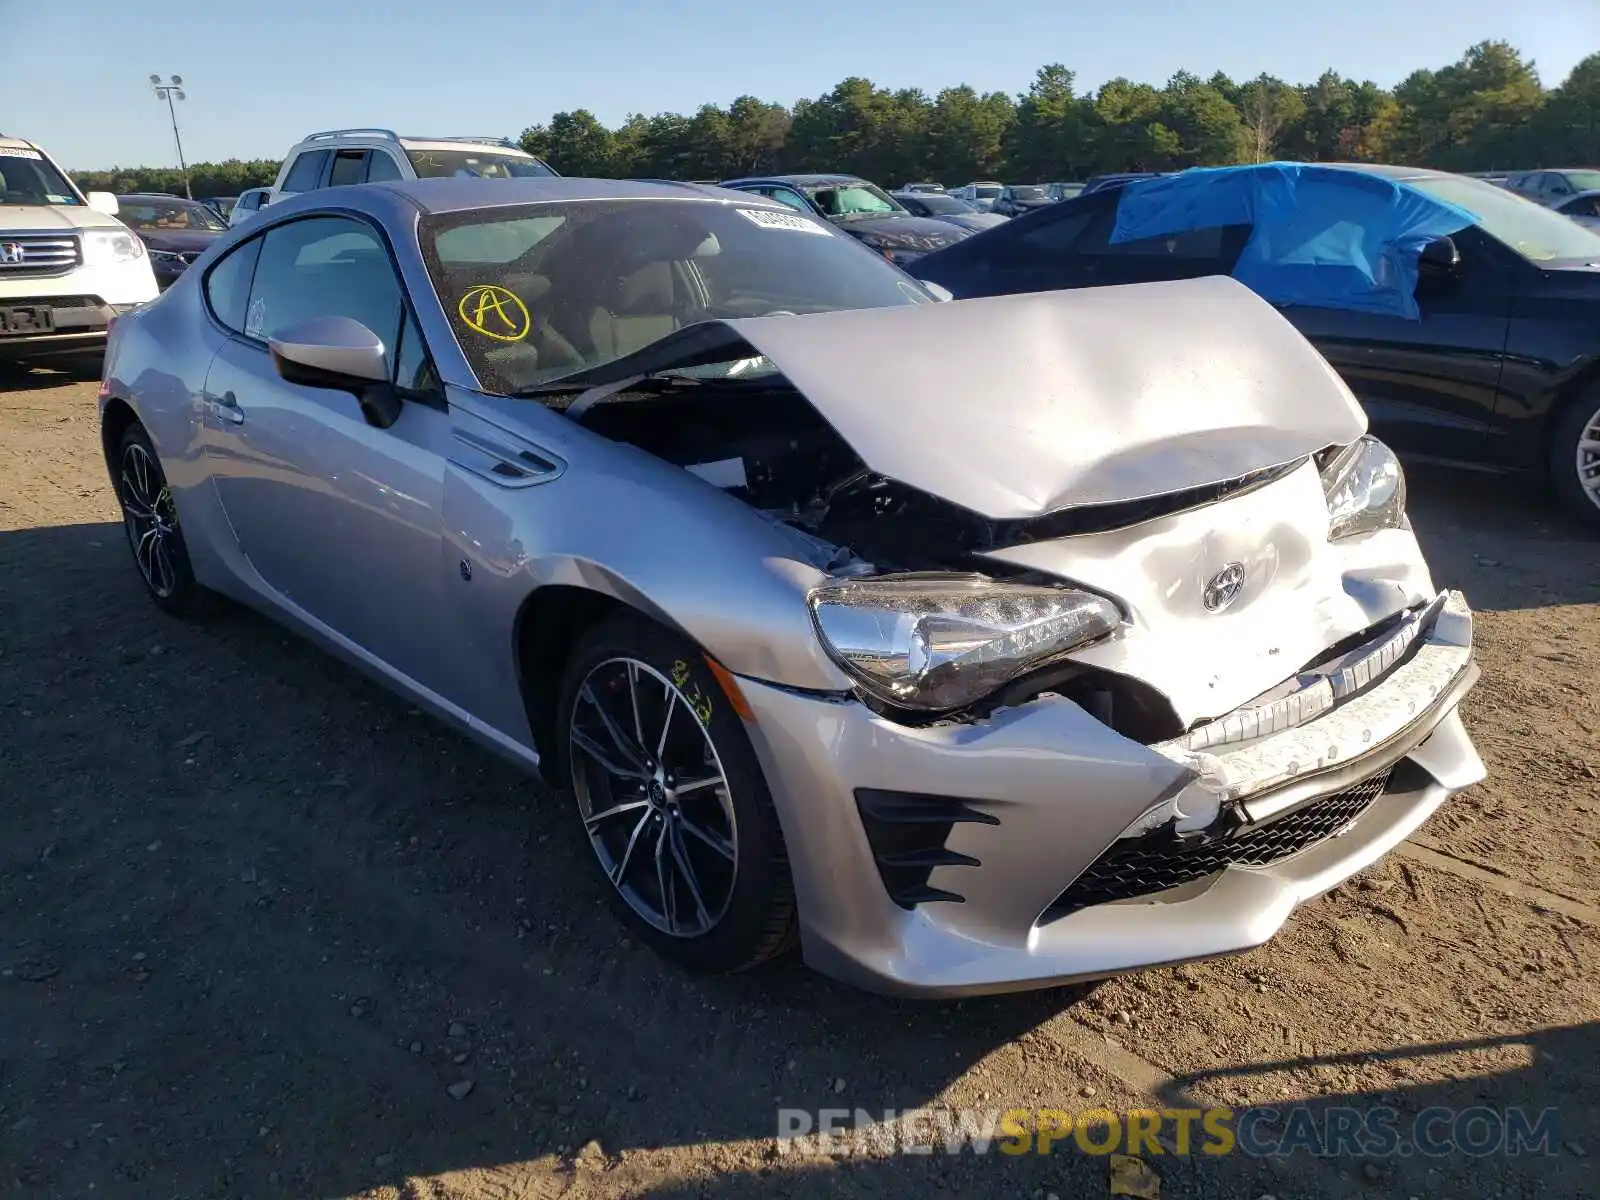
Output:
(504, 464)
(906, 832)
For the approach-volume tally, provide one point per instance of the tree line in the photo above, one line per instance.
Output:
(1486, 111)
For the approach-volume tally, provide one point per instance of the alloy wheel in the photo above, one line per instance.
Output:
(151, 519)
(654, 796)
(1588, 459)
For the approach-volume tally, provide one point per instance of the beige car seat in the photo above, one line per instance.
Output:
(639, 313)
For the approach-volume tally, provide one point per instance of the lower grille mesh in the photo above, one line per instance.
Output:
(1153, 863)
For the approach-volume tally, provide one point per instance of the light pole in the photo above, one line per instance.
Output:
(166, 91)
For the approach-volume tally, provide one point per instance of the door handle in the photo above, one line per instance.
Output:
(226, 408)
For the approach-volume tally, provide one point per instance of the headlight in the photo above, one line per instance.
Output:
(937, 642)
(1366, 489)
(102, 247)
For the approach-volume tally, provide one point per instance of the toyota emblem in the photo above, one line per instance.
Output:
(11, 253)
(1223, 588)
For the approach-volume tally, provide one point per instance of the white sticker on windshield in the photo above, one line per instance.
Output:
(768, 219)
(18, 152)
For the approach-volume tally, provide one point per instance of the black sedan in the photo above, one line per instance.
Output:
(175, 231)
(1499, 370)
(861, 209)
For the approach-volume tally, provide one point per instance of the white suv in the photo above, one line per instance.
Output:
(68, 267)
(345, 156)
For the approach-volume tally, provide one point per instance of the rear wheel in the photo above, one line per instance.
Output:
(672, 799)
(151, 521)
(1575, 458)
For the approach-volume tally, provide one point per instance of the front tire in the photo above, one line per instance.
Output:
(151, 522)
(1575, 459)
(672, 799)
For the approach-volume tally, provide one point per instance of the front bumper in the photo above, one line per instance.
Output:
(1037, 794)
(79, 325)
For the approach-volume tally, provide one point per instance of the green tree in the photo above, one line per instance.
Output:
(967, 135)
(1209, 132)
(1050, 139)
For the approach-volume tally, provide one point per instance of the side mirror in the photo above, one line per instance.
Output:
(343, 355)
(1439, 257)
(103, 202)
(938, 291)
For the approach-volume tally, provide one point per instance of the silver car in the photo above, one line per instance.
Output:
(975, 646)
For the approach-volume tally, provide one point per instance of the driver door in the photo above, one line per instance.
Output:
(340, 520)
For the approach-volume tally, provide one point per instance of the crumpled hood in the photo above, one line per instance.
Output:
(1016, 406)
(49, 217)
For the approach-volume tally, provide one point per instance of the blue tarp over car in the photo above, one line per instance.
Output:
(1330, 237)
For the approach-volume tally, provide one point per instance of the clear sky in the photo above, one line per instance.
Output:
(262, 73)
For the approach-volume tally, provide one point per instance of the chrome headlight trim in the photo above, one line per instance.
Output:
(934, 642)
(1365, 489)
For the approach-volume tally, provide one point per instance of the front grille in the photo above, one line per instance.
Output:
(1158, 861)
(32, 255)
(56, 302)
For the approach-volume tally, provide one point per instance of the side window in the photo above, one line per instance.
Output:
(349, 166)
(306, 172)
(792, 198)
(1211, 242)
(413, 369)
(381, 167)
(324, 267)
(1083, 231)
(228, 284)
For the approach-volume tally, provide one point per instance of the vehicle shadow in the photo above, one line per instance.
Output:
(28, 377)
(264, 922)
(1502, 541)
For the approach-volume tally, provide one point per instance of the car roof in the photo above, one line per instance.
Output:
(156, 196)
(458, 194)
(801, 180)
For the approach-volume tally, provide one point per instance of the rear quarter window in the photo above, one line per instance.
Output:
(228, 284)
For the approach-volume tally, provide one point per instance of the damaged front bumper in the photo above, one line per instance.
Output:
(1038, 846)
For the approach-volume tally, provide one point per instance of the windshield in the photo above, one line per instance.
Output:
(26, 178)
(145, 212)
(1028, 193)
(537, 292)
(1583, 181)
(1537, 233)
(944, 205)
(851, 199)
(986, 192)
(476, 164)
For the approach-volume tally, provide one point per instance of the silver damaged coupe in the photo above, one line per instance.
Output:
(973, 646)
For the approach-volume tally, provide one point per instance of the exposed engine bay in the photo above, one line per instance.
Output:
(769, 447)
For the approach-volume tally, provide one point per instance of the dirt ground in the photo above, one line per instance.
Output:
(261, 924)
